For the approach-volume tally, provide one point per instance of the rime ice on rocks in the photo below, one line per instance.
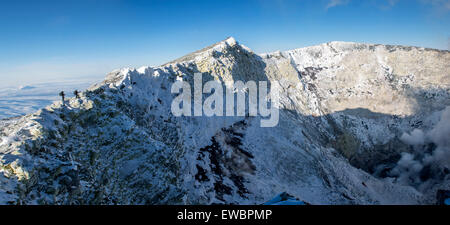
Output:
(343, 110)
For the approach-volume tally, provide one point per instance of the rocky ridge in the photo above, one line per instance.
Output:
(344, 108)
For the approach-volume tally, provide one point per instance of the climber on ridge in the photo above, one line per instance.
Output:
(62, 96)
(76, 93)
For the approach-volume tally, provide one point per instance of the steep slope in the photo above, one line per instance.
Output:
(343, 110)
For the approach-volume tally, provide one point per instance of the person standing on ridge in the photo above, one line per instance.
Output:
(76, 93)
(62, 96)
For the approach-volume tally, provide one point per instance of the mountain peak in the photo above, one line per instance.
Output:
(230, 40)
(218, 46)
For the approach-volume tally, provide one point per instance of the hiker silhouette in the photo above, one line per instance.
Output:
(76, 93)
(62, 96)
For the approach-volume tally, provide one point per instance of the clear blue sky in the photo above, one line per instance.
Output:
(49, 40)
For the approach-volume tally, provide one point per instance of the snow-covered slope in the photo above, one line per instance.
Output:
(344, 108)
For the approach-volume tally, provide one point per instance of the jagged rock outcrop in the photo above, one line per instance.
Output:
(343, 110)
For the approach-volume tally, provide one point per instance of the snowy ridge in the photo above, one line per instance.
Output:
(344, 107)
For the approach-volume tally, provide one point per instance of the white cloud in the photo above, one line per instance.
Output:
(384, 4)
(439, 8)
(409, 167)
(442, 4)
(392, 2)
(416, 137)
(334, 3)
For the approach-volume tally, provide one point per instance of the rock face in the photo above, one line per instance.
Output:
(344, 108)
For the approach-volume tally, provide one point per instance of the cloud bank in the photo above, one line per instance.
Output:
(429, 161)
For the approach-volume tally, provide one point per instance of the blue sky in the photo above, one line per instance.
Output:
(44, 40)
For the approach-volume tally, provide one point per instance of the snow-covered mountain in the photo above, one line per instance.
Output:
(358, 124)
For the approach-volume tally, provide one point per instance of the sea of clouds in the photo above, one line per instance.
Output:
(25, 99)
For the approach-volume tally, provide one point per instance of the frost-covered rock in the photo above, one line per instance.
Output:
(344, 108)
